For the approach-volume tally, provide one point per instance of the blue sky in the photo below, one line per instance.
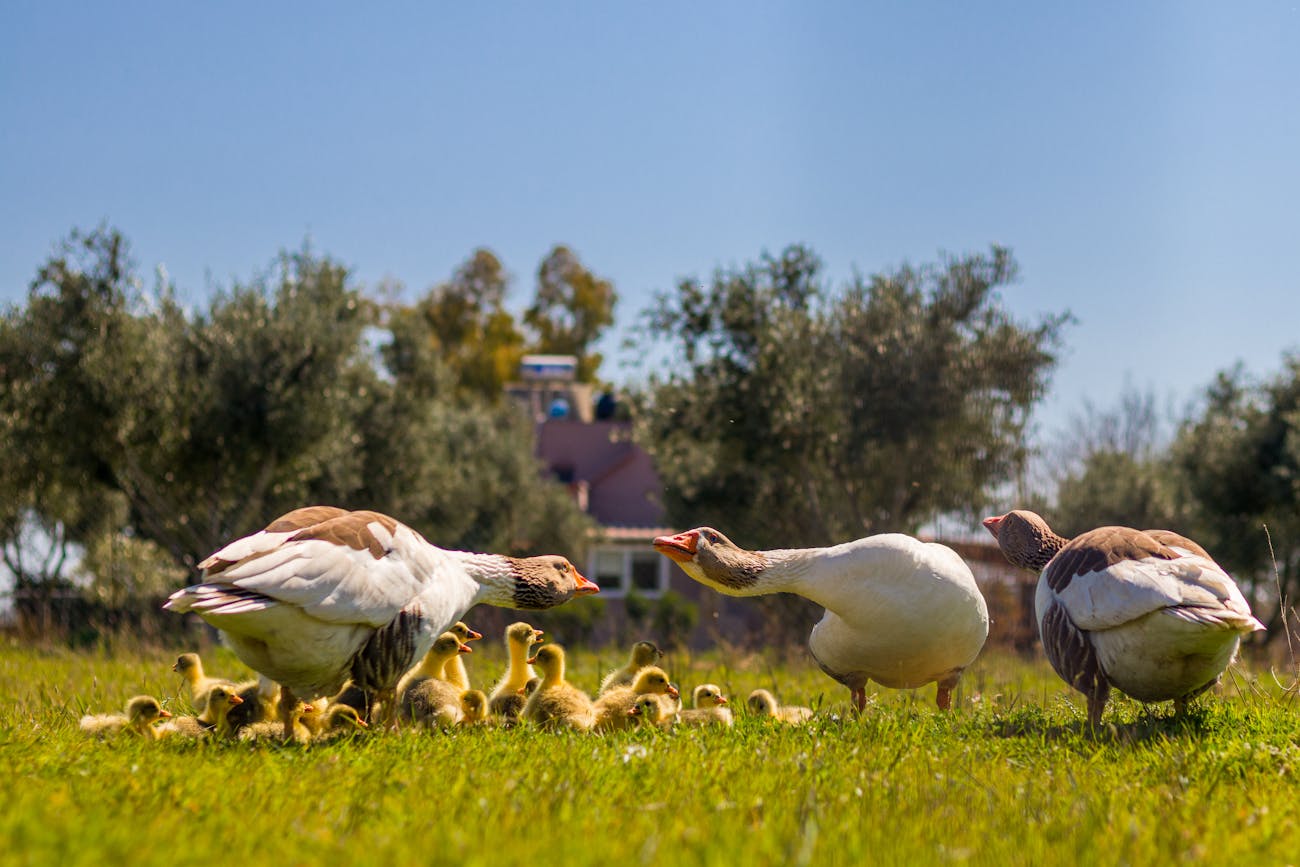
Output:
(1142, 163)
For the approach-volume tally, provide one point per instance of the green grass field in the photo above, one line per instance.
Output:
(1010, 777)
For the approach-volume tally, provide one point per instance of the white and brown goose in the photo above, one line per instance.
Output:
(1148, 612)
(323, 594)
(900, 612)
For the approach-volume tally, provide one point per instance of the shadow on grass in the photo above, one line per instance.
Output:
(1149, 725)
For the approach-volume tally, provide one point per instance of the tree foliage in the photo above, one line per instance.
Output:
(798, 415)
(571, 309)
(130, 414)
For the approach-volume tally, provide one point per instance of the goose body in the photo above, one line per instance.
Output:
(1147, 612)
(900, 612)
(321, 595)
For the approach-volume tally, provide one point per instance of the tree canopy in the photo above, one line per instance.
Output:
(799, 415)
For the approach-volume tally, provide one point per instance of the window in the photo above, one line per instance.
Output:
(620, 569)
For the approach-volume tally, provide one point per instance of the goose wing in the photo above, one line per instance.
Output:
(354, 567)
(1114, 575)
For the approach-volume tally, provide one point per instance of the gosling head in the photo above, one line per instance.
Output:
(647, 708)
(761, 702)
(344, 716)
(523, 633)
(550, 659)
(462, 631)
(645, 653)
(708, 695)
(145, 710)
(474, 705)
(653, 680)
(187, 663)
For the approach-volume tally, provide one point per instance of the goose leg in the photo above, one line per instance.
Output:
(287, 703)
(943, 697)
(1097, 699)
(860, 698)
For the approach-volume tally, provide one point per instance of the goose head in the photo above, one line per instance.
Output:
(544, 582)
(1025, 538)
(713, 560)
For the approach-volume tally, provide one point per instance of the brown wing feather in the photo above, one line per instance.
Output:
(300, 519)
(1098, 549)
(1171, 539)
(352, 529)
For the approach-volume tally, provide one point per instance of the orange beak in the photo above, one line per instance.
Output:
(363, 723)
(672, 690)
(635, 711)
(537, 633)
(722, 699)
(531, 659)
(464, 648)
(164, 714)
(680, 548)
(523, 690)
(474, 636)
(585, 587)
(234, 699)
(992, 524)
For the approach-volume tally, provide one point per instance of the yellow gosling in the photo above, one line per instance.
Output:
(556, 703)
(612, 707)
(643, 653)
(274, 730)
(455, 672)
(197, 683)
(506, 701)
(428, 698)
(142, 711)
(763, 703)
(473, 707)
(659, 711)
(341, 721)
(708, 707)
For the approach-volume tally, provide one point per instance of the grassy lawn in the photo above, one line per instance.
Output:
(1009, 778)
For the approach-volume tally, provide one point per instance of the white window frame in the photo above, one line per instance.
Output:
(625, 580)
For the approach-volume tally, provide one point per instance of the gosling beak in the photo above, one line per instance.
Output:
(537, 634)
(672, 690)
(992, 524)
(165, 714)
(363, 723)
(474, 636)
(585, 586)
(635, 711)
(722, 699)
(523, 690)
(530, 660)
(234, 699)
(680, 548)
(464, 648)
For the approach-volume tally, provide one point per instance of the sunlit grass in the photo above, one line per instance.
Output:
(1011, 777)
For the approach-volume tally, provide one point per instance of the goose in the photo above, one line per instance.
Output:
(643, 653)
(1147, 612)
(556, 703)
(900, 612)
(612, 707)
(429, 698)
(142, 711)
(708, 707)
(321, 595)
(506, 700)
(763, 703)
(653, 710)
